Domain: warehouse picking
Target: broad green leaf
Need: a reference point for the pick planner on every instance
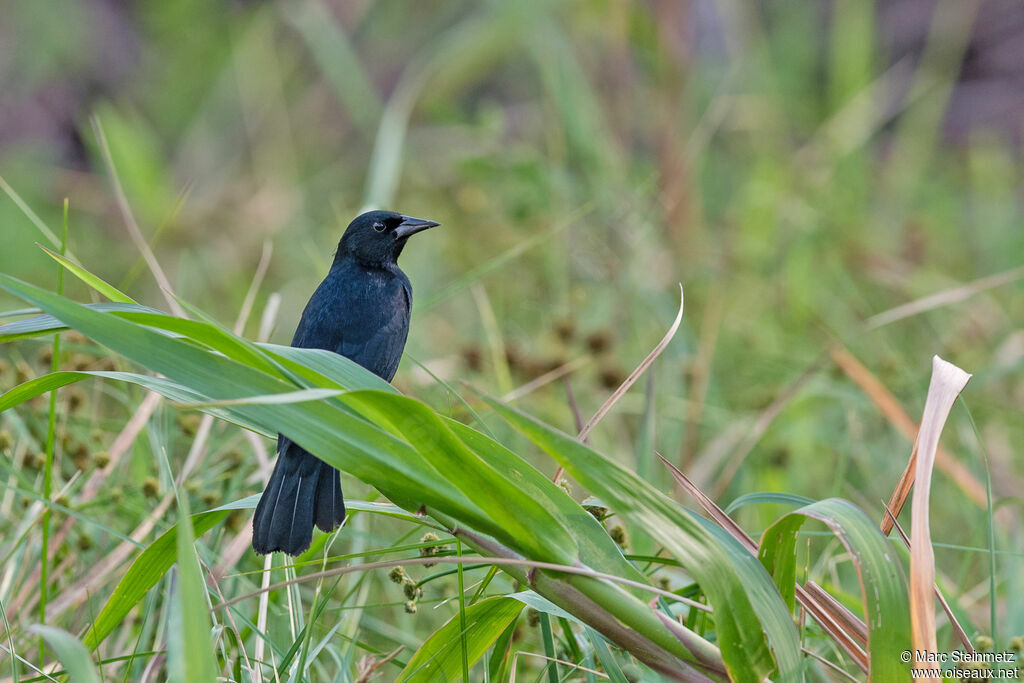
(99, 284)
(597, 641)
(31, 310)
(384, 455)
(440, 656)
(205, 333)
(247, 503)
(764, 597)
(318, 364)
(703, 553)
(542, 604)
(532, 528)
(209, 335)
(605, 656)
(386, 509)
(299, 396)
(596, 548)
(882, 579)
(548, 640)
(342, 439)
(190, 650)
(147, 569)
(72, 654)
(161, 385)
(767, 497)
(499, 659)
(45, 324)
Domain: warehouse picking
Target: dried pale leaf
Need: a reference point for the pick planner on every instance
(946, 297)
(831, 625)
(635, 375)
(710, 507)
(548, 377)
(631, 380)
(946, 384)
(849, 621)
(957, 628)
(891, 409)
(129, 218)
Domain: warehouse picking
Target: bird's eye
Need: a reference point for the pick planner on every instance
(378, 226)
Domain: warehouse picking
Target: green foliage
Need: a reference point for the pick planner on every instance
(584, 159)
(716, 563)
(440, 657)
(190, 656)
(71, 653)
(148, 568)
(471, 479)
(879, 570)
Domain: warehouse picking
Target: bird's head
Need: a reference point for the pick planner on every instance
(378, 237)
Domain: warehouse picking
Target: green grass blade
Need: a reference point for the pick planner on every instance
(44, 324)
(547, 638)
(595, 547)
(51, 425)
(542, 604)
(440, 659)
(882, 578)
(299, 396)
(767, 497)
(211, 336)
(500, 654)
(701, 551)
(147, 569)
(532, 529)
(72, 654)
(345, 441)
(163, 386)
(462, 614)
(190, 654)
(29, 213)
(605, 656)
(337, 60)
(320, 366)
(99, 284)
(10, 643)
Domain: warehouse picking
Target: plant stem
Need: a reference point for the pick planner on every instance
(51, 429)
(462, 614)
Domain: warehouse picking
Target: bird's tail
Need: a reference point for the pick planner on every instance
(302, 491)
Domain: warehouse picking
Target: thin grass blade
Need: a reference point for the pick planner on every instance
(72, 654)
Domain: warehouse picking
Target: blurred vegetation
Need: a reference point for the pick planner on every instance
(584, 157)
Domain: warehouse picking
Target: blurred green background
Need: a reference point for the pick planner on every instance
(798, 166)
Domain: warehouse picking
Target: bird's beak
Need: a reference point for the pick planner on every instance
(410, 226)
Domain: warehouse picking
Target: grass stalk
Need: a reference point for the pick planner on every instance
(462, 613)
(991, 530)
(51, 433)
(549, 648)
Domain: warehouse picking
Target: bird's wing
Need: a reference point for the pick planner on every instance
(366, 325)
(377, 344)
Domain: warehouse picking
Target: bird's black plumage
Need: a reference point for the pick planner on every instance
(361, 311)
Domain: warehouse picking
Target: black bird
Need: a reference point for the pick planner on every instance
(360, 310)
